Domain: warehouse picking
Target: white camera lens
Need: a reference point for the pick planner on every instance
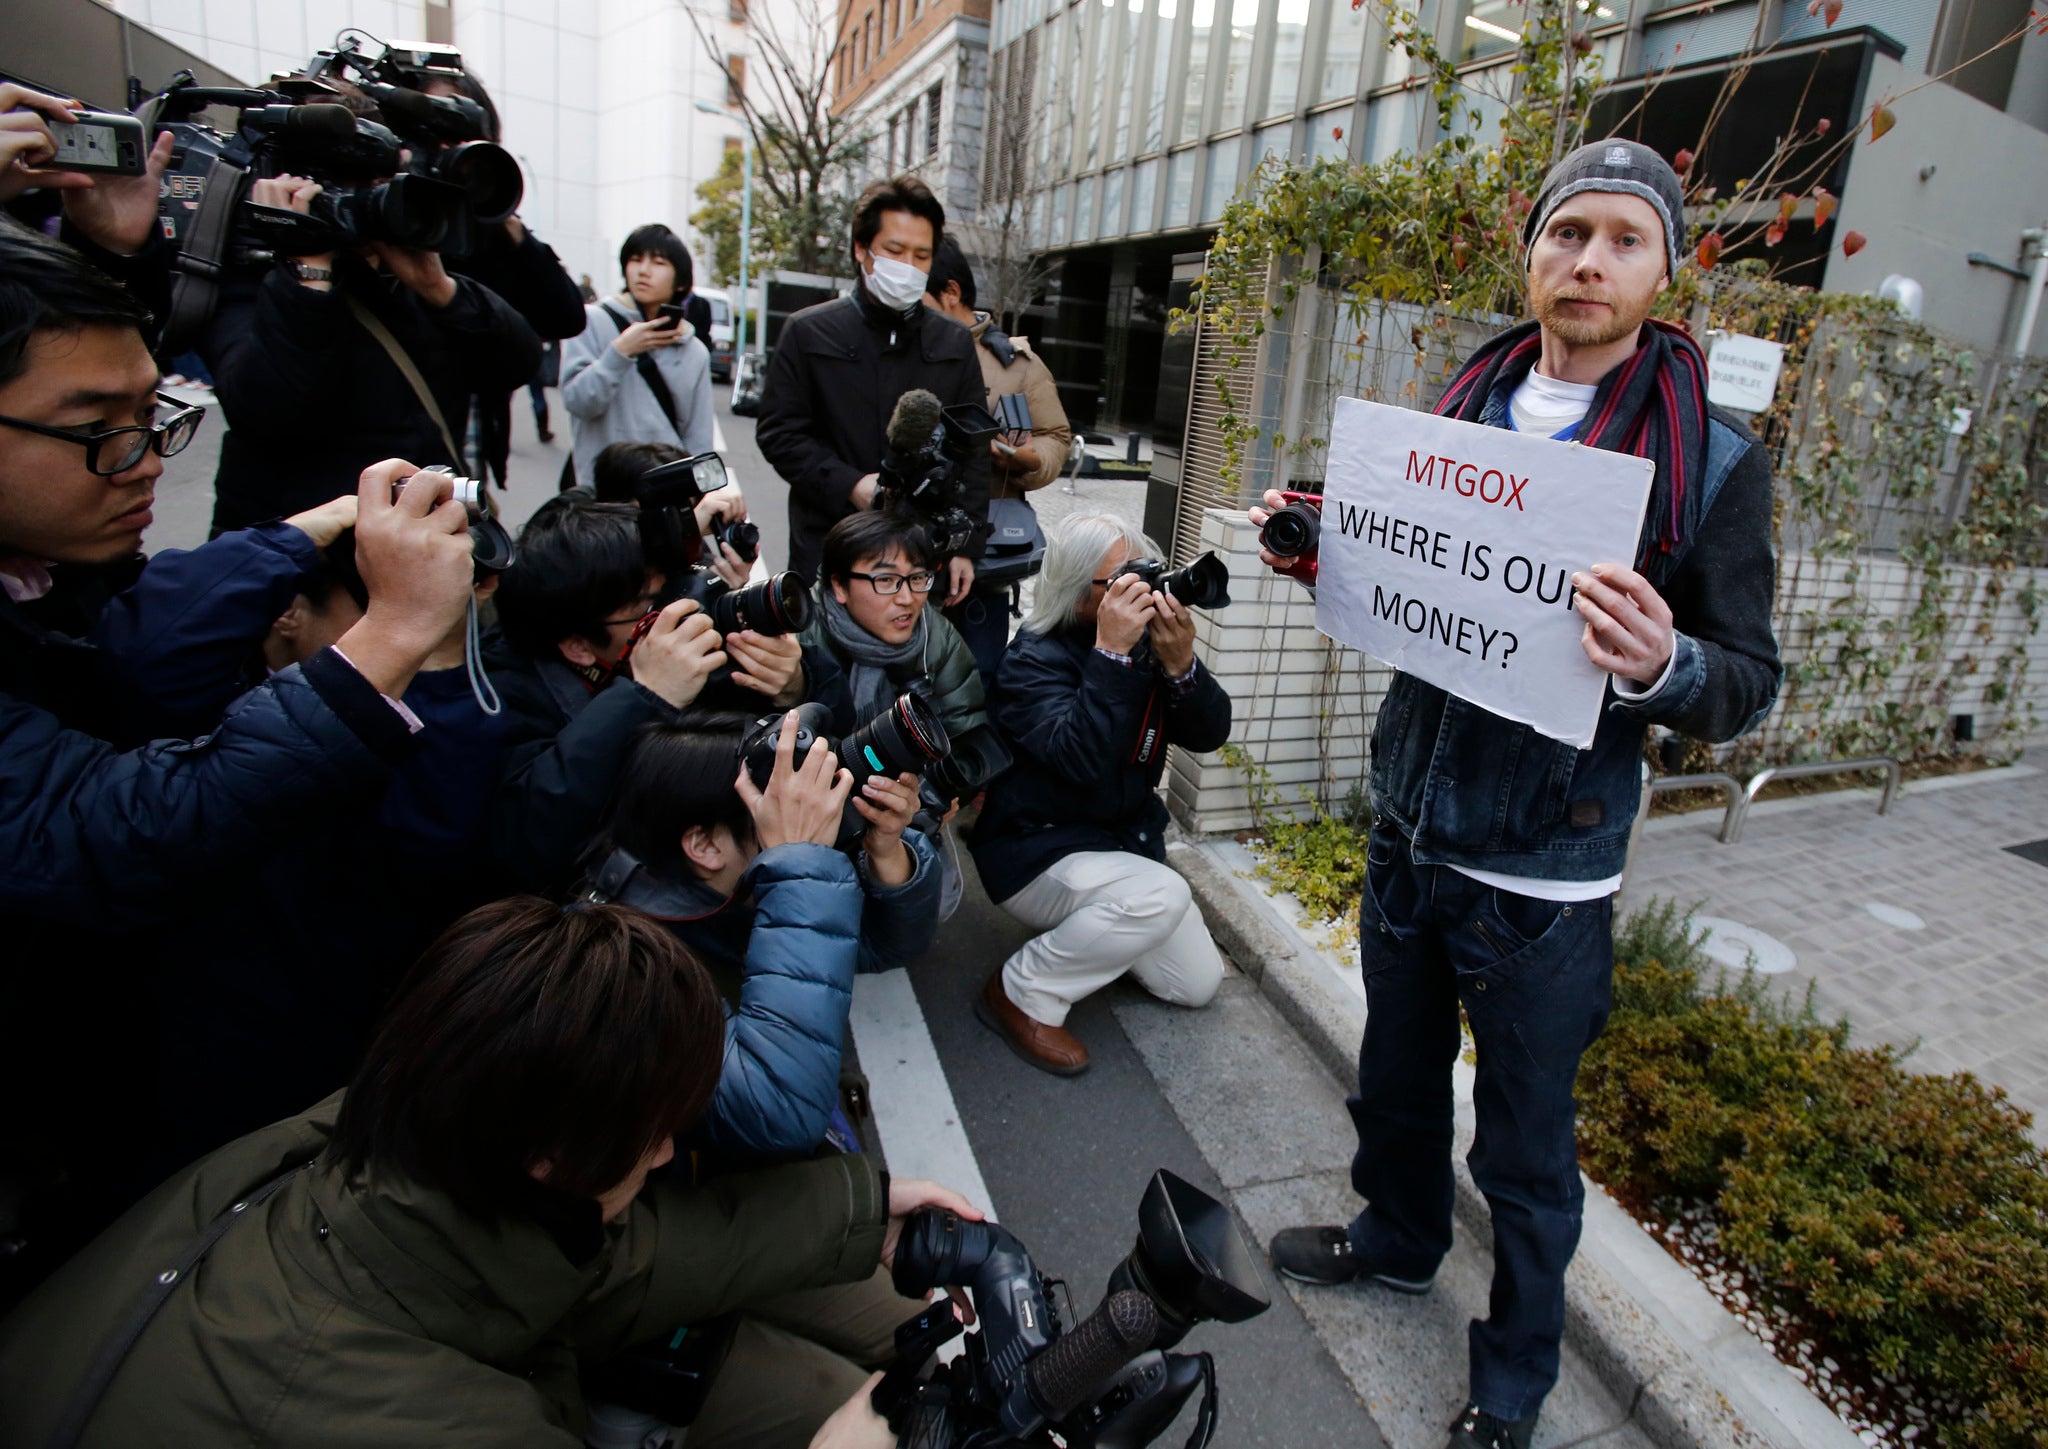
(468, 491)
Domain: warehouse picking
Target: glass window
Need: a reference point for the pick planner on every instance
(1127, 79)
(1062, 208)
(1343, 48)
(1196, 87)
(1392, 125)
(1222, 181)
(1290, 33)
(1144, 194)
(1492, 27)
(1180, 187)
(1084, 211)
(1154, 135)
(1329, 135)
(1273, 141)
(1237, 62)
(1112, 204)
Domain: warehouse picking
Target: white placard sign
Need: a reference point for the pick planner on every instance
(1448, 550)
(1742, 373)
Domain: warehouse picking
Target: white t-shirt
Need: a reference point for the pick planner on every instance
(1545, 407)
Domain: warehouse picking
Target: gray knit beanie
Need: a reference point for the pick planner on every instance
(1615, 165)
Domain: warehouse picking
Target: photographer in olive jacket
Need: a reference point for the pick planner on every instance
(433, 1256)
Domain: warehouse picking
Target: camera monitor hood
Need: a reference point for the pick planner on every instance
(1191, 1260)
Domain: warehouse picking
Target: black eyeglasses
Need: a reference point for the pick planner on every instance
(119, 449)
(885, 584)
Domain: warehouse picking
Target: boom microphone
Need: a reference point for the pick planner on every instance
(917, 417)
(1075, 1367)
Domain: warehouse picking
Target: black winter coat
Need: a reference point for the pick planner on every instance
(312, 399)
(103, 845)
(566, 747)
(831, 385)
(1090, 737)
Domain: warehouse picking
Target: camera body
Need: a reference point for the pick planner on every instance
(1109, 1381)
(907, 737)
(773, 607)
(920, 470)
(1203, 584)
(1295, 533)
(491, 545)
(668, 496)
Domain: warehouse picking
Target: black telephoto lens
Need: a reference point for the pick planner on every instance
(907, 736)
(743, 538)
(1293, 530)
(776, 606)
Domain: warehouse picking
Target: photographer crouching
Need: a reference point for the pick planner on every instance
(1101, 679)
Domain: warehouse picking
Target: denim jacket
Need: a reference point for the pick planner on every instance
(1472, 789)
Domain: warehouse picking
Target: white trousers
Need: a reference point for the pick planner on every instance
(1105, 912)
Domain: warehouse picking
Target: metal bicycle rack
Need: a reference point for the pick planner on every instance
(1738, 807)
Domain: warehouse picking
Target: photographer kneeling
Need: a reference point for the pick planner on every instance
(1072, 841)
(590, 650)
(432, 1256)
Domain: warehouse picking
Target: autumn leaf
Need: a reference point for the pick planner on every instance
(1682, 162)
(1461, 253)
(1830, 12)
(1853, 243)
(1823, 126)
(1774, 233)
(1710, 250)
(1881, 120)
(1582, 43)
(1787, 204)
(1823, 207)
(1337, 132)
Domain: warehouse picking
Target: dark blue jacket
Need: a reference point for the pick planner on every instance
(102, 853)
(567, 745)
(1090, 737)
(784, 950)
(268, 990)
(1470, 788)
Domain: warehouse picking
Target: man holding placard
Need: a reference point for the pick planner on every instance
(1461, 548)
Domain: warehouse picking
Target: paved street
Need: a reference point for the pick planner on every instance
(1918, 925)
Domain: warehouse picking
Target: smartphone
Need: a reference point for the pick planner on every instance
(103, 142)
(672, 313)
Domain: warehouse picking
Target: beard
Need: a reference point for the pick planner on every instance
(1624, 316)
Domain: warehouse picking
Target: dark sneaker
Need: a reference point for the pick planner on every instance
(1325, 1255)
(1477, 1429)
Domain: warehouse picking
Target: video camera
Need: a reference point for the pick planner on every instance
(423, 177)
(928, 443)
(1295, 533)
(1110, 1382)
(1203, 584)
(907, 737)
(668, 495)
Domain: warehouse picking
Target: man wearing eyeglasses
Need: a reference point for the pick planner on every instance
(105, 837)
(872, 618)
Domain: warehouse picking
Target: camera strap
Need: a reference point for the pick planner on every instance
(114, 1351)
(374, 325)
(650, 374)
(202, 258)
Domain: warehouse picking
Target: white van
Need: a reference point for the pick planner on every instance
(721, 338)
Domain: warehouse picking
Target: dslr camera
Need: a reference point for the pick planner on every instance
(907, 737)
(1109, 1382)
(928, 444)
(452, 184)
(1203, 584)
(668, 495)
(1295, 533)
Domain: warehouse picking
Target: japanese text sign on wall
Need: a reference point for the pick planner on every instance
(1448, 550)
(1742, 373)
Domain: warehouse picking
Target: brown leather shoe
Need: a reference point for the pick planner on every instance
(1049, 1048)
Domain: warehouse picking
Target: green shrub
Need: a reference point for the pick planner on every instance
(1905, 1214)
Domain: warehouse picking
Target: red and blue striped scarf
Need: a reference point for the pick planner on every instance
(1654, 405)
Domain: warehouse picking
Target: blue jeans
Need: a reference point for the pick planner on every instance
(1534, 978)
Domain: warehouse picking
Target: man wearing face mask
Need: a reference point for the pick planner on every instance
(840, 367)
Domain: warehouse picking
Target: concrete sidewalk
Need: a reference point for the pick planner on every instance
(1918, 925)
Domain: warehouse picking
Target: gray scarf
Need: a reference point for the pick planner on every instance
(872, 660)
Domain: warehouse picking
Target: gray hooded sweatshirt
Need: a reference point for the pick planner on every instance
(609, 402)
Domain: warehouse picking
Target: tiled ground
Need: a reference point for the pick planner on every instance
(1971, 985)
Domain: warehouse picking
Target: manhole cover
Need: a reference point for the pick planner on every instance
(1898, 916)
(1739, 947)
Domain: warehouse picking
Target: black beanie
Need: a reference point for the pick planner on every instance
(1616, 165)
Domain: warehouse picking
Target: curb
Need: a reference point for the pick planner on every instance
(1648, 1329)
